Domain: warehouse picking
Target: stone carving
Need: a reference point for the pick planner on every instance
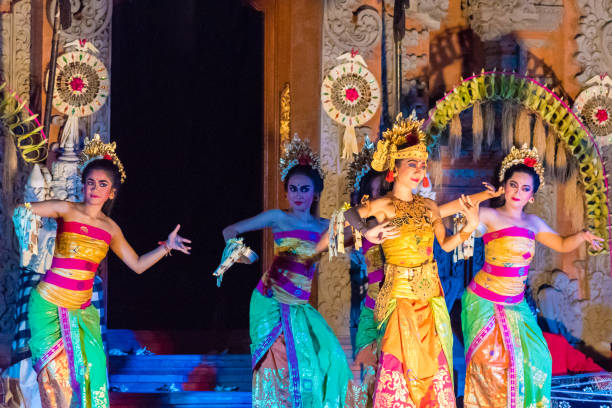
(348, 24)
(492, 19)
(15, 69)
(594, 39)
(342, 31)
(89, 18)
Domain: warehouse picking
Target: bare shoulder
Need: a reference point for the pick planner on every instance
(429, 203)
(111, 226)
(536, 223)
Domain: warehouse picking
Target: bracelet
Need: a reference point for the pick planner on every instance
(166, 247)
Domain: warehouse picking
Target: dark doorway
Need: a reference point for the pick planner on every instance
(187, 92)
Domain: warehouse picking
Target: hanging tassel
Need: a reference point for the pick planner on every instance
(435, 166)
(550, 155)
(477, 130)
(507, 127)
(454, 140)
(574, 205)
(489, 118)
(522, 131)
(561, 173)
(390, 177)
(425, 182)
(350, 143)
(539, 137)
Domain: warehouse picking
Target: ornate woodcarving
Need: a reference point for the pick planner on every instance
(492, 19)
(347, 24)
(595, 38)
(285, 115)
(15, 69)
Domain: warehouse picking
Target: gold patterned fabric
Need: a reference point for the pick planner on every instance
(415, 368)
(414, 246)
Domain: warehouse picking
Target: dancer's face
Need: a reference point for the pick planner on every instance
(98, 188)
(519, 189)
(410, 172)
(300, 192)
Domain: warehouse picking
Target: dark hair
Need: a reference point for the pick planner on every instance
(307, 171)
(111, 171)
(365, 187)
(523, 168)
(517, 168)
(313, 175)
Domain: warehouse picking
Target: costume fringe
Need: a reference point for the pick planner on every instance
(477, 130)
(507, 126)
(489, 116)
(454, 139)
(522, 131)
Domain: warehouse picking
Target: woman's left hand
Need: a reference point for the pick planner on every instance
(175, 241)
(490, 190)
(470, 210)
(592, 239)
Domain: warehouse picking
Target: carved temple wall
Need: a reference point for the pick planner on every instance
(565, 42)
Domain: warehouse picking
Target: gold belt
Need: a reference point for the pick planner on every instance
(419, 283)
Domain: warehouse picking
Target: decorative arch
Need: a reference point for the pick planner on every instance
(23, 126)
(556, 113)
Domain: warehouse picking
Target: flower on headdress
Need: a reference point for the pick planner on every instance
(304, 160)
(108, 157)
(412, 139)
(530, 161)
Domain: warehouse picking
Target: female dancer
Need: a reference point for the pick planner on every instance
(66, 345)
(415, 366)
(297, 360)
(508, 362)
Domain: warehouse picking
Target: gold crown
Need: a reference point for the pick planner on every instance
(298, 152)
(526, 156)
(96, 149)
(360, 166)
(403, 131)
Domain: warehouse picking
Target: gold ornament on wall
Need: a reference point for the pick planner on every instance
(285, 115)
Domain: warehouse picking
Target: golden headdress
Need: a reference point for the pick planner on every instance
(360, 165)
(404, 131)
(96, 149)
(298, 152)
(526, 156)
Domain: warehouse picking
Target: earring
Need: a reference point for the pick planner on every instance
(531, 200)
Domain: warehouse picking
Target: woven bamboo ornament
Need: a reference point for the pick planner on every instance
(351, 96)
(477, 130)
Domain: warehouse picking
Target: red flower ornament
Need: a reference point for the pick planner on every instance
(351, 94)
(108, 157)
(304, 160)
(530, 161)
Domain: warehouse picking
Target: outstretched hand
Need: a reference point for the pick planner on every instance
(491, 190)
(175, 241)
(470, 210)
(381, 232)
(592, 239)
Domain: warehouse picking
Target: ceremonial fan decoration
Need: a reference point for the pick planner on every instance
(350, 95)
(235, 251)
(81, 87)
(594, 105)
(23, 126)
(82, 83)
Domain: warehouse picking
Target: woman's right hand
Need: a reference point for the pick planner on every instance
(381, 232)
